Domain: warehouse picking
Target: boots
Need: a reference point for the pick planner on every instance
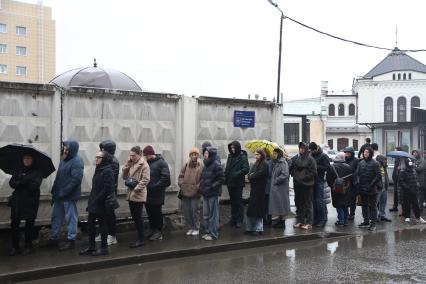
(279, 224)
(70, 244)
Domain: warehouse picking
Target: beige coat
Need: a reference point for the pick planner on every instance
(189, 179)
(140, 171)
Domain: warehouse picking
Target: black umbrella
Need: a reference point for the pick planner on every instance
(11, 159)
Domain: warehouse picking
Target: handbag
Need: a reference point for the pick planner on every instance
(131, 182)
(111, 201)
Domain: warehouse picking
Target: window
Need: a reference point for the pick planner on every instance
(3, 29)
(291, 133)
(21, 50)
(388, 109)
(331, 110)
(3, 69)
(355, 144)
(393, 76)
(3, 48)
(351, 109)
(409, 76)
(404, 77)
(415, 102)
(399, 76)
(330, 143)
(21, 71)
(402, 109)
(21, 31)
(341, 110)
(342, 143)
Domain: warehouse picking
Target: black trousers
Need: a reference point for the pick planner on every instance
(369, 207)
(237, 208)
(136, 211)
(155, 216)
(91, 227)
(422, 196)
(410, 202)
(110, 220)
(303, 199)
(29, 233)
(395, 195)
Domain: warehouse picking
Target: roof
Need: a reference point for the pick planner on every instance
(397, 60)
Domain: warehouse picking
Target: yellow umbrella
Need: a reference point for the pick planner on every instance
(266, 145)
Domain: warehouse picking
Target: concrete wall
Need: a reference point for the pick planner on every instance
(173, 124)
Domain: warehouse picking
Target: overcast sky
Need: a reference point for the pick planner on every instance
(229, 48)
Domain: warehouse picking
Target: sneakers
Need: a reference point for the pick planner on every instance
(421, 220)
(98, 238)
(208, 238)
(195, 233)
(393, 209)
(156, 236)
(372, 227)
(189, 232)
(112, 240)
(385, 219)
(364, 225)
(407, 220)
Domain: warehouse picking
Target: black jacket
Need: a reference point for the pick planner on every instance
(342, 169)
(323, 164)
(258, 177)
(407, 180)
(25, 198)
(369, 177)
(109, 146)
(212, 177)
(237, 166)
(102, 186)
(361, 151)
(303, 169)
(159, 180)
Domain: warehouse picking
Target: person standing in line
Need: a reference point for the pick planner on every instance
(409, 186)
(237, 167)
(323, 165)
(189, 183)
(257, 176)
(102, 186)
(66, 192)
(361, 151)
(304, 171)
(110, 147)
(369, 184)
(395, 175)
(420, 167)
(267, 219)
(159, 181)
(279, 200)
(352, 161)
(24, 203)
(339, 178)
(212, 179)
(382, 197)
(136, 174)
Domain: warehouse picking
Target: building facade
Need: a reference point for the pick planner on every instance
(27, 42)
(392, 101)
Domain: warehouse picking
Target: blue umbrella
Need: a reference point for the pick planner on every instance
(400, 154)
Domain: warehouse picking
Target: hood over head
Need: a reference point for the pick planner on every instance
(237, 147)
(349, 150)
(73, 146)
(108, 146)
(106, 160)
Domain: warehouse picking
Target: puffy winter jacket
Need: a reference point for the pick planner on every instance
(237, 166)
(304, 169)
(407, 180)
(159, 180)
(109, 146)
(323, 164)
(212, 177)
(102, 186)
(369, 177)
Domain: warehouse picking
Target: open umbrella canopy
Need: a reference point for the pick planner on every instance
(266, 145)
(399, 154)
(11, 159)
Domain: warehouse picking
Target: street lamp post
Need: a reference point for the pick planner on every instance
(280, 48)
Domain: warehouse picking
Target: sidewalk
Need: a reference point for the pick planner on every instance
(50, 262)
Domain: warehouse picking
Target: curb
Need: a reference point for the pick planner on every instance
(53, 271)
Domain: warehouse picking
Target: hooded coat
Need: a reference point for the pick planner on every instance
(109, 146)
(304, 168)
(67, 184)
(420, 167)
(369, 177)
(159, 180)
(212, 176)
(189, 178)
(340, 200)
(237, 166)
(407, 179)
(102, 186)
(25, 198)
(323, 163)
(279, 200)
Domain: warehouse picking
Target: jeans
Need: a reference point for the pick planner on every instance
(342, 214)
(369, 207)
(29, 233)
(254, 224)
(91, 227)
(155, 216)
(237, 208)
(303, 200)
(382, 199)
(64, 210)
(110, 221)
(136, 211)
(190, 206)
(318, 203)
(410, 202)
(212, 211)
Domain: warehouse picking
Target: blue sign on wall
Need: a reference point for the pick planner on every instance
(244, 118)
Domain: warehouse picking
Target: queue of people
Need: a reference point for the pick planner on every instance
(352, 182)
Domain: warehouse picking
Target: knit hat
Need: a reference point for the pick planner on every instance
(340, 157)
(194, 150)
(148, 151)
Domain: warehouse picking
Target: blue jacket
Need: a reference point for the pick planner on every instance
(67, 185)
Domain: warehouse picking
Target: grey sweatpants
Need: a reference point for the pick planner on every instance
(190, 207)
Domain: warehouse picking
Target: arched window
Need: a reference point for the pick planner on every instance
(388, 109)
(351, 109)
(399, 76)
(331, 111)
(415, 102)
(404, 77)
(409, 76)
(402, 109)
(341, 110)
(393, 76)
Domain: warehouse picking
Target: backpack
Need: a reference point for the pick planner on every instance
(340, 185)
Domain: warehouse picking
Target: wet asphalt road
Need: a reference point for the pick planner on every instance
(381, 257)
